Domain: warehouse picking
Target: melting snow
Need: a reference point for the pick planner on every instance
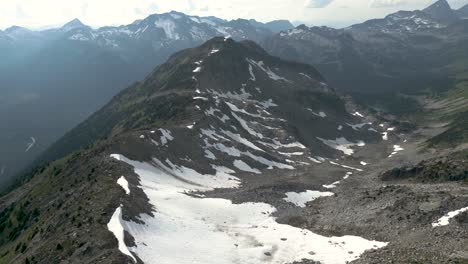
(267, 104)
(252, 75)
(245, 167)
(272, 75)
(209, 154)
(240, 139)
(124, 184)
(185, 228)
(320, 114)
(305, 75)
(385, 135)
(169, 28)
(166, 136)
(445, 220)
(344, 166)
(213, 51)
(342, 144)
(290, 154)
(245, 126)
(277, 145)
(115, 226)
(198, 69)
(357, 114)
(300, 199)
(396, 149)
(333, 185)
(315, 160)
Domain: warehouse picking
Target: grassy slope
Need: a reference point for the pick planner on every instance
(58, 211)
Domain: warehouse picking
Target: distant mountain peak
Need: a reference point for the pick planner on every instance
(441, 10)
(462, 12)
(439, 4)
(16, 29)
(275, 26)
(75, 23)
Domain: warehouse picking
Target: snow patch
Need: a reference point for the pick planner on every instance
(396, 149)
(445, 220)
(245, 126)
(245, 167)
(300, 199)
(169, 28)
(124, 184)
(214, 51)
(319, 114)
(272, 75)
(185, 227)
(357, 114)
(385, 135)
(166, 136)
(209, 154)
(342, 144)
(115, 226)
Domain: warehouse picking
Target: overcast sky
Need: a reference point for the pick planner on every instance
(336, 13)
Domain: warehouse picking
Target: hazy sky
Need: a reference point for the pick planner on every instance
(337, 13)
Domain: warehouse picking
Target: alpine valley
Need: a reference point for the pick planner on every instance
(236, 141)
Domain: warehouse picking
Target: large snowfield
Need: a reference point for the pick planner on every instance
(187, 229)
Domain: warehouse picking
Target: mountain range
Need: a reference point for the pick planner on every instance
(401, 55)
(55, 97)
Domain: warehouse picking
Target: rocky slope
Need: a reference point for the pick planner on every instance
(217, 143)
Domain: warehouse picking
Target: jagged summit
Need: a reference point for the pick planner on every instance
(462, 12)
(74, 24)
(441, 10)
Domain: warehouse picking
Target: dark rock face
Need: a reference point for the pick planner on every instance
(452, 168)
(442, 11)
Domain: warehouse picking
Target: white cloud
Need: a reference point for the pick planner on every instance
(36, 14)
(317, 3)
(386, 3)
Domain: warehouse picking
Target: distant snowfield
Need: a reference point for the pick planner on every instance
(300, 199)
(342, 144)
(190, 230)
